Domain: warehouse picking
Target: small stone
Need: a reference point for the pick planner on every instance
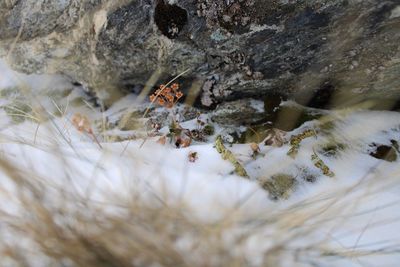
(384, 152)
(226, 18)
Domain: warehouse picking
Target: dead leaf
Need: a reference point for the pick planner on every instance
(193, 156)
(162, 140)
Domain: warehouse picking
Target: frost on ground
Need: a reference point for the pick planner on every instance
(138, 202)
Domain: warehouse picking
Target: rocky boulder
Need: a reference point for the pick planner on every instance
(232, 49)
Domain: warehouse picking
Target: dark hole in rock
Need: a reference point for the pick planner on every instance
(170, 19)
(385, 152)
(77, 84)
(396, 106)
(322, 97)
(272, 103)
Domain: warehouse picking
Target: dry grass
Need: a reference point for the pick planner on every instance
(47, 225)
(42, 224)
(54, 227)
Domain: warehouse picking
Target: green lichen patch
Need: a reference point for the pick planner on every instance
(297, 139)
(320, 164)
(208, 129)
(332, 148)
(9, 92)
(18, 112)
(228, 155)
(327, 126)
(280, 186)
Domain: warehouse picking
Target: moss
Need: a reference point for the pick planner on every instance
(327, 127)
(9, 92)
(18, 111)
(254, 134)
(208, 130)
(332, 148)
(280, 186)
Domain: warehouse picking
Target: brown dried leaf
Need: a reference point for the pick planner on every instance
(254, 147)
(186, 142)
(193, 156)
(162, 140)
(81, 123)
(275, 137)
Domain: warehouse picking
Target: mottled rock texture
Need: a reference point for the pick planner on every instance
(234, 48)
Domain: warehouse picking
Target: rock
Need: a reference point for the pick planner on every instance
(239, 112)
(336, 50)
(290, 116)
(385, 152)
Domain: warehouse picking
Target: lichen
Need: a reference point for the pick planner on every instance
(208, 129)
(280, 186)
(18, 111)
(321, 165)
(297, 139)
(332, 148)
(228, 155)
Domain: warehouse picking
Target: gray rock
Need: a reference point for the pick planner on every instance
(243, 111)
(236, 49)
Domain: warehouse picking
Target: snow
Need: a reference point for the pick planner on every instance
(359, 205)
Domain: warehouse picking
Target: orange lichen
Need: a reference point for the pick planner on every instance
(167, 96)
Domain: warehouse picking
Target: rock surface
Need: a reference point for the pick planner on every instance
(233, 49)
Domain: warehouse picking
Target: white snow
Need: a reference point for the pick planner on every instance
(356, 210)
